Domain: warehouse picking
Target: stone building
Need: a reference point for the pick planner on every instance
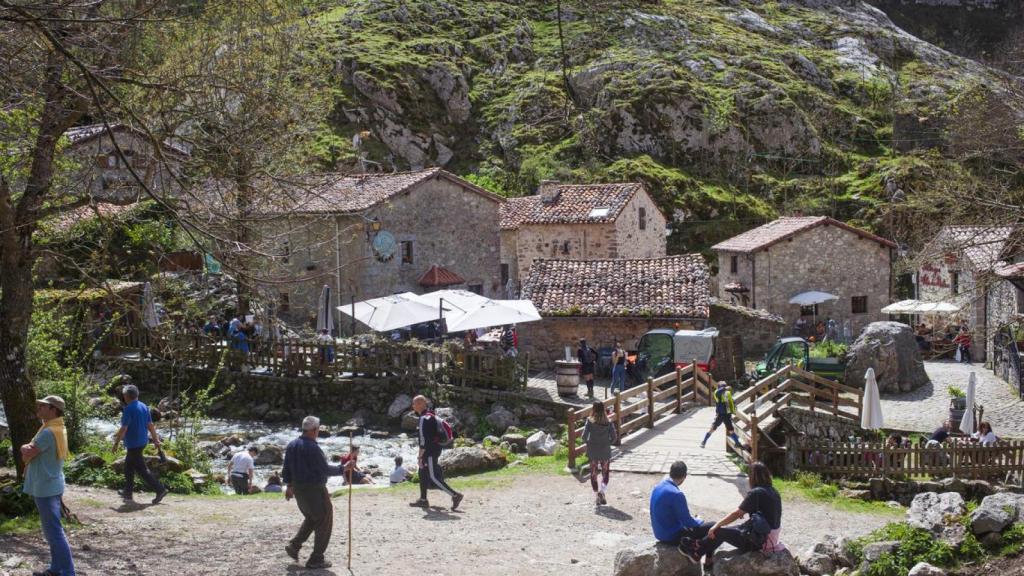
(104, 169)
(959, 267)
(369, 235)
(767, 266)
(579, 222)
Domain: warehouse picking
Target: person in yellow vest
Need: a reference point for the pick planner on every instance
(724, 409)
(44, 481)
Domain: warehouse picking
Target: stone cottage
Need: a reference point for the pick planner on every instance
(370, 235)
(608, 300)
(767, 266)
(959, 267)
(579, 222)
(104, 168)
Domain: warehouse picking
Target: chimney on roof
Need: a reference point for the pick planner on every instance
(549, 191)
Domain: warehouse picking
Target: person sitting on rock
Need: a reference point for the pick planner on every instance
(273, 484)
(761, 532)
(670, 515)
(350, 464)
(399, 474)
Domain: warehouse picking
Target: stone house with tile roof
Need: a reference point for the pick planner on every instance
(962, 265)
(579, 222)
(765, 267)
(434, 229)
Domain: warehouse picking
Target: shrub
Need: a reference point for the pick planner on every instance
(807, 479)
(1013, 540)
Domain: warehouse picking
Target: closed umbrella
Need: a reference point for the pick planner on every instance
(324, 319)
(149, 315)
(391, 312)
(871, 411)
(495, 313)
(967, 422)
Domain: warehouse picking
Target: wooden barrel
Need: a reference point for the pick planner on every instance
(567, 376)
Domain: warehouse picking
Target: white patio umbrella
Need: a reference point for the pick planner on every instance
(812, 298)
(967, 423)
(324, 319)
(919, 307)
(149, 315)
(390, 312)
(495, 313)
(871, 412)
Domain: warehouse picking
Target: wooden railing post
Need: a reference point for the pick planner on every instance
(753, 437)
(650, 402)
(679, 390)
(618, 419)
(570, 437)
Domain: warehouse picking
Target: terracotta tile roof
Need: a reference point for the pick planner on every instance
(63, 221)
(80, 134)
(980, 245)
(673, 286)
(575, 204)
(440, 276)
(778, 230)
(1011, 271)
(345, 193)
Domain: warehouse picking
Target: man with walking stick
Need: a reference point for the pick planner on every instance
(305, 475)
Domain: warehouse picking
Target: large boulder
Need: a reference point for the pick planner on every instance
(541, 444)
(83, 462)
(399, 406)
(154, 463)
(997, 512)
(410, 421)
(926, 569)
(755, 564)
(654, 559)
(501, 418)
(889, 348)
(931, 511)
(471, 459)
(875, 550)
(269, 454)
(815, 564)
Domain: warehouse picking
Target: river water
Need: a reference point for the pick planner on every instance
(373, 451)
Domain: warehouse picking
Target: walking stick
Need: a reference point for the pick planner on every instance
(350, 506)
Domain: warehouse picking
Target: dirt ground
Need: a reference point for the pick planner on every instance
(528, 524)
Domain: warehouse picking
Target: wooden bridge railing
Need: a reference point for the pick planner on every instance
(643, 405)
(957, 458)
(294, 358)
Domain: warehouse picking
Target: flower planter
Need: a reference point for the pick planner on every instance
(957, 407)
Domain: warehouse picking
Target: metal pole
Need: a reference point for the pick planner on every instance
(352, 297)
(350, 506)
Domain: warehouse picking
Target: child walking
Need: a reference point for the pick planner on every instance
(724, 409)
(599, 435)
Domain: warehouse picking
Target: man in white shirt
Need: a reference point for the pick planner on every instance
(241, 469)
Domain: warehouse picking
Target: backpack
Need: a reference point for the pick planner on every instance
(445, 434)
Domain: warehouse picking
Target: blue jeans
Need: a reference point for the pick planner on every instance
(60, 551)
(619, 377)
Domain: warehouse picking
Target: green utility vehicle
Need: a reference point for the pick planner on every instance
(797, 351)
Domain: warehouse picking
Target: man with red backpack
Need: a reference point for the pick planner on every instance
(434, 434)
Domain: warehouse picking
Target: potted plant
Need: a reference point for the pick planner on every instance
(957, 404)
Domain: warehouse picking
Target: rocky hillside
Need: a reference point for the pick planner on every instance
(728, 109)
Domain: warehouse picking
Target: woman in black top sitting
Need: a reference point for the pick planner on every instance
(762, 499)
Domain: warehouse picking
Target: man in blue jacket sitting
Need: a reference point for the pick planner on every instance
(670, 515)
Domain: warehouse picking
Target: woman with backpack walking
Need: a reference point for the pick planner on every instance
(599, 435)
(760, 532)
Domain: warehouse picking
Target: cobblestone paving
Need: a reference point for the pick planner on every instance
(924, 409)
(543, 387)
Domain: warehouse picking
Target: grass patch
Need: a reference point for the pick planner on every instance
(806, 486)
(19, 525)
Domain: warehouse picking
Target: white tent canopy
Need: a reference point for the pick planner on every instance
(920, 307)
(495, 313)
(391, 312)
(811, 298)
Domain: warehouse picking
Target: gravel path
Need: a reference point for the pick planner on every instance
(530, 524)
(924, 409)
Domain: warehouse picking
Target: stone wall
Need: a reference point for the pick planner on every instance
(447, 224)
(795, 424)
(1003, 303)
(632, 242)
(546, 340)
(757, 329)
(826, 258)
(509, 255)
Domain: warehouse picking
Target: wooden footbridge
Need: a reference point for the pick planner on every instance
(665, 419)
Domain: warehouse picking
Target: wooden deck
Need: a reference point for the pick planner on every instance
(676, 437)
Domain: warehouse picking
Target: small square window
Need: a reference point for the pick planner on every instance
(954, 282)
(504, 274)
(734, 264)
(859, 304)
(407, 252)
(643, 218)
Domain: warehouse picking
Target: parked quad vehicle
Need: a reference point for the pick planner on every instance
(662, 351)
(797, 351)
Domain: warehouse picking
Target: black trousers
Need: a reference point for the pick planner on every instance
(696, 533)
(431, 475)
(134, 464)
(240, 484)
(725, 535)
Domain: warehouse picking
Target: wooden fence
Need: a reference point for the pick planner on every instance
(642, 406)
(294, 358)
(865, 460)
